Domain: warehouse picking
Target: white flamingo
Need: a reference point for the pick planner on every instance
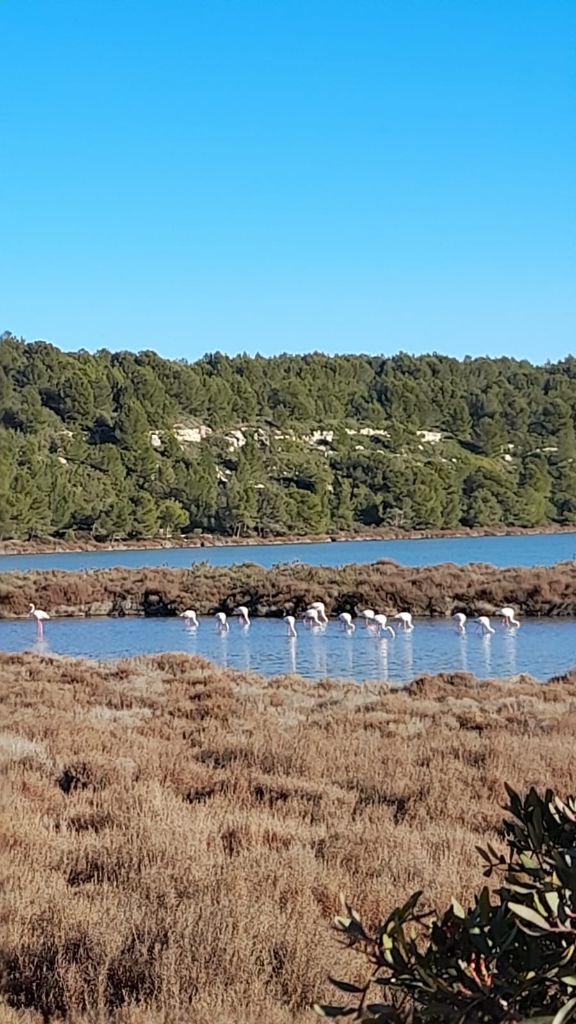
(40, 616)
(381, 621)
(190, 618)
(222, 622)
(291, 625)
(368, 616)
(311, 617)
(346, 620)
(509, 617)
(244, 615)
(484, 623)
(460, 620)
(405, 621)
(320, 607)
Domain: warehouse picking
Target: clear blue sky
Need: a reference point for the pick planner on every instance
(289, 175)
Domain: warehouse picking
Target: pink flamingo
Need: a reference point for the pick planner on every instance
(405, 621)
(381, 622)
(346, 620)
(40, 616)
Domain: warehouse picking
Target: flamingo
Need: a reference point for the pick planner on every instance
(346, 620)
(460, 620)
(40, 616)
(311, 617)
(291, 624)
(485, 626)
(244, 616)
(222, 622)
(320, 607)
(381, 621)
(368, 615)
(509, 617)
(405, 621)
(190, 618)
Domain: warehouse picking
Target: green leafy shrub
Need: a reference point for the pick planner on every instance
(510, 957)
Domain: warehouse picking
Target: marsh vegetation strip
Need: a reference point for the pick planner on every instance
(541, 647)
(176, 836)
(526, 550)
(438, 591)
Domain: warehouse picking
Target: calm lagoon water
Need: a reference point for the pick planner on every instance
(536, 549)
(542, 647)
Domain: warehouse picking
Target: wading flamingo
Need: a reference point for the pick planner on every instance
(222, 622)
(290, 625)
(40, 616)
(242, 611)
(368, 616)
(311, 617)
(484, 623)
(509, 617)
(460, 620)
(346, 620)
(405, 621)
(190, 618)
(381, 622)
(320, 607)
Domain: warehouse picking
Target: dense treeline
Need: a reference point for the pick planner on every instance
(120, 445)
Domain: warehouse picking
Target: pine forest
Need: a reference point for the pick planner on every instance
(114, 446)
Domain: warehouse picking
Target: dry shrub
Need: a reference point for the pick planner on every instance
(176, 837)
(437, 590)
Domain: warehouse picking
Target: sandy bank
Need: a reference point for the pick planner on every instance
(54, 546)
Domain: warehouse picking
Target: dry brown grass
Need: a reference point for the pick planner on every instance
(175, 837)
(438, 590)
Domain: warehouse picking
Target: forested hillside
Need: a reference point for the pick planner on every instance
(118, 445)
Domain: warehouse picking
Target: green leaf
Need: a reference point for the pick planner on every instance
(497, 856)
(347, 986)
(553, 901)
(333, 1011)
(458, 909)
(527, 914)
(485, 856)
(484, 905)
(565, 1012)
(515, 801)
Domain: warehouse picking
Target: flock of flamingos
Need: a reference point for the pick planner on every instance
(315, 618)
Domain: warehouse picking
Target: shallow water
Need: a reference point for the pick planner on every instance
(541, 647)
(535, 549)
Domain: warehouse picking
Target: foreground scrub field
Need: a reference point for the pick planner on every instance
(176, 836)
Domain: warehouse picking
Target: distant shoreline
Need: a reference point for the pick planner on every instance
(42, 547)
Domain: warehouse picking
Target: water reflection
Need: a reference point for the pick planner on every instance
(346, 655)
(41, 645)
(244, 661)
(383, 658)
(318, 653)
(542, 647)
(463, 650)
(292, 648)
(509, 648)
(406, 654)
(485, 660)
